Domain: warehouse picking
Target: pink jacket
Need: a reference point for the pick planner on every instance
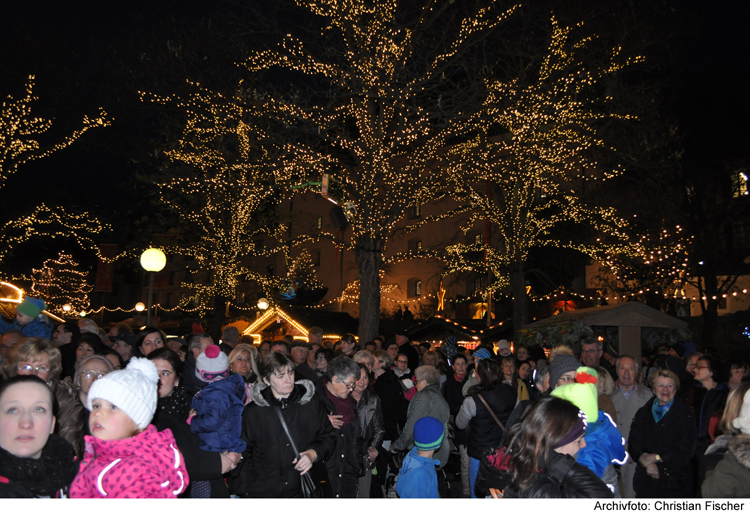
(148, 465)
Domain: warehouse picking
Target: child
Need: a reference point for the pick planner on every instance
(417, 477)
(216, 413)
(126, 457)
(29, 319)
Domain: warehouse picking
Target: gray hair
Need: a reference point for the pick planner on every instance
(343, 368)
(230, 333)
(363, 356)
(381, 355)
(429, 374)
(196, 341)
(591, 340)
(88, 326)
(637, 366)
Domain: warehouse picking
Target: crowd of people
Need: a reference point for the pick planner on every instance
(125, 414)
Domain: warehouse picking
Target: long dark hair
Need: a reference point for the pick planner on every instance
(530, 442)
(490, 374)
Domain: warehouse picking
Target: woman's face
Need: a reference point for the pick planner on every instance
(523, 371)
(83, 351)
(664, 389)
(736, 375)
(321, 364)
(522, 354)
(346, 348)
(151, 342)
(167, 377)
(402, 362)
(341, 388)
(281, 382)
(572, 448)
(362, 383)
(393, 351)
(26, 420)
(460, 367)
(378, 365)
(241, 364)
(508, 370)
(38, 366)
(95, 369)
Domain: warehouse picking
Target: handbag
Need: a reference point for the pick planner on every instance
(309, 488)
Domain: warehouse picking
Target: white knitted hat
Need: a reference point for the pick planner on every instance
(134, 390)
(212, 365)
(743, 421)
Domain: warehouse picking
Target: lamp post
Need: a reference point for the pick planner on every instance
(152, 260)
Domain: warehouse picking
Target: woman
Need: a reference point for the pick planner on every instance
(149, 339)
(709, 399)
(322, 357)
(34, 462)
(346, 464)
(272, 469)
(662, 441)
(737, 370)
(37, 356)
(243, 360)
(508, 365)
(348, 345)
(391, 394)
(173, 399)
(538, 457)
(370, 415)
(89, 370)
(405, 376)
(490, 396)
(89, 344)
(605, 387)
(731, 476)
(717, 450)
(392, 349)
(452, 392)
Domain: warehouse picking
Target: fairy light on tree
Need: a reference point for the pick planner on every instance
(62, 284)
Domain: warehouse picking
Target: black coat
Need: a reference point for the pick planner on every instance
(455, 398)
(268, 470)
(484, 434)
(674, 439)
(565, 478)
(393, 403)
(707, 403)
(346, 464)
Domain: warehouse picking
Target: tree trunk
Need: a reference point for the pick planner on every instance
(369, 258)
(521, 315)
(219, 303)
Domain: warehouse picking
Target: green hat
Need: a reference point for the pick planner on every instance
(582, 393)
(31, 307)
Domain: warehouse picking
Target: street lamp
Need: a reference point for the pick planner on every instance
(262, 303)
(140, 306)
(152, 260)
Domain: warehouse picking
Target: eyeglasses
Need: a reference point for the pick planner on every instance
(28, 368)
(403, 361)
(90, 374)
(349, 385)
(568, 378)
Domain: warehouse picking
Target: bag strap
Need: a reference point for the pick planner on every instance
(490, 410)
(286, 430)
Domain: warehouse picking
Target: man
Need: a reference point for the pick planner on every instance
(378, 342)
(281, 346)
(86, 325)
(65, 337)
(691, 359)
(405, 347)
(123, 345)
(591, 356)
(315, 335)
(230, 337)
(300, 351)
(371, 346)
(628, 399)
(116, 331)
(432, 358)
(197, 345)
(11, 337)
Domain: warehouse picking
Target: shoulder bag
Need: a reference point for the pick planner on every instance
(309, 489)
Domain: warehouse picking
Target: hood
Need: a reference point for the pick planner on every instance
(159, 448)
(233, 385)
(304, 388)
(414, 461)
(740, 448)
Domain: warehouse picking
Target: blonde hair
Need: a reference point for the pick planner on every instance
(562, 349)
(732, 409)
(664, 373)
(605, 385)
(28, 349)
(252, 350)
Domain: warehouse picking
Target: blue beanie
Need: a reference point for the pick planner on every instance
(31, 307)
(428, 433)
(482, 353)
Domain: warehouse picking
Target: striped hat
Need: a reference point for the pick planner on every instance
(428, 433)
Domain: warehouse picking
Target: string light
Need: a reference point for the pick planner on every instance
(59, 282)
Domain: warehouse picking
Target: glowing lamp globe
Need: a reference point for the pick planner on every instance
(140, 306)
(262, 303)
(67, 307)
(153, 260)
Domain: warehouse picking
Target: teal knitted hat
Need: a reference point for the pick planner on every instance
(428, 433)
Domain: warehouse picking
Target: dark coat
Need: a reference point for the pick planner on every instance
(674, 439)
(201, 465)
(346, 465)
(565, 479)
(391, 394)
(408, 350)
(452, 392)
(370, 414)
(731, 476)
(219, 409)
(268, 470)
(707, 403)
(484, 434)
(71, 416)
(49, 476)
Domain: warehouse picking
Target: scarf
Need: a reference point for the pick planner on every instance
(660, 411)
(55, 470)
(459, 378)
(175, 404)
(343, 407)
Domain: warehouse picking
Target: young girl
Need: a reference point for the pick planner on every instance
(126, 457)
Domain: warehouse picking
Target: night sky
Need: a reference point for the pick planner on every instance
(90, 54)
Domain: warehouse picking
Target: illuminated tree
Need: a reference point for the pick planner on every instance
(221, 190)
(392, 94)
(60, 282)
(531, 166)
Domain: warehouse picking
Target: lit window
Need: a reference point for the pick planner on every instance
(418, 288)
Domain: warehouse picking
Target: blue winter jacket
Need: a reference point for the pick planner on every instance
(219, 409)
(604, 446)
(417, 477)
(35, 328)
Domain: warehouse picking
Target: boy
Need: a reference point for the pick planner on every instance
(417, 477)
(28, 320)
